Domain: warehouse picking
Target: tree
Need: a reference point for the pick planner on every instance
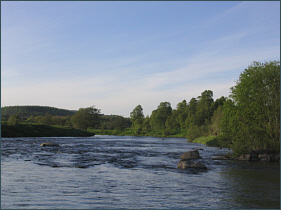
(14, 120)
(171, 121)
(253, 119)
(215, 128)
(203, 113)
(191, 112)
(146, 125)
(181, 114)
(118, 123)
(86, 117)
(137, 117)
(47, 119)
(61, 120)
(159, 116)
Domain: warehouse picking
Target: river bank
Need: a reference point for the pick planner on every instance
(134, 132)
(36, 130)
(255, 155)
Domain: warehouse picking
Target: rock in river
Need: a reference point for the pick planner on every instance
(245, 157)
(184, 164)
(48, 144)
(190, 155)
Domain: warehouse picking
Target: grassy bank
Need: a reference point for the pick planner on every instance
(35, 130)
(134, 132)
(212, 141)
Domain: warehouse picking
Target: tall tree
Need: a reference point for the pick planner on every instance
(181, 114)
(160, 115)
(118, 123)
(253, 119)
(146, 125)
(86, 117)
(203, 113)
(137, 117)
(191, 112)
(215, 128)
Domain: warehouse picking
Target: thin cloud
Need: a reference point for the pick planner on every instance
(82, 59)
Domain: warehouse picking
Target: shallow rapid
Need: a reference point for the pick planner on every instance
(129, 172)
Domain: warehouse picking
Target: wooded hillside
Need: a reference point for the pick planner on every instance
(28, 111)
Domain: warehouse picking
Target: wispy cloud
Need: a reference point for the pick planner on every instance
(82, 58)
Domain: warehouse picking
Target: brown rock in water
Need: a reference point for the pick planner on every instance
(184, 164)
(264, 157)
(245, 157)
(190, 155)
(48, 144)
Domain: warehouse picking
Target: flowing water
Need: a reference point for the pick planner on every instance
(129, 172)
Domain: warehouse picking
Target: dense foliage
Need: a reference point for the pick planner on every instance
(201, 116)
(14, 120)
(137, 118)
(252, 118)
(113, 122)
(85, 118)
(43, 115)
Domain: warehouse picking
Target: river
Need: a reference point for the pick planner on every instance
(114, 172)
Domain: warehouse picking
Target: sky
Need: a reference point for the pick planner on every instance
(117, 55)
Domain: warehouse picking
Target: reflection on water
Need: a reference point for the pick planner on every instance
(252, 182)
(129, 172)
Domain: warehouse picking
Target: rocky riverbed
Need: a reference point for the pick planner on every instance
(187, 158)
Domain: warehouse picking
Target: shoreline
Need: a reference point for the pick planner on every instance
(36, 130)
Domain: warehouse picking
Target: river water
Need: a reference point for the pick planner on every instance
(113, 172)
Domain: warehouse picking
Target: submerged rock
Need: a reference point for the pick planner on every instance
(190, 155)
(48, 144)
(245, 157)
(264, 157)
(184, 164)
(220, 158)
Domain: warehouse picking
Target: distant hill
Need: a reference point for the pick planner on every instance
(28, 111)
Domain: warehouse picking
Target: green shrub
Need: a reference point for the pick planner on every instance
(14, 120)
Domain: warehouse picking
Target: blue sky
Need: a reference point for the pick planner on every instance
(117, 55)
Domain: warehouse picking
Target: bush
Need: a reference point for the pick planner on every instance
(194, 132)
(14, 120)
(213, 141)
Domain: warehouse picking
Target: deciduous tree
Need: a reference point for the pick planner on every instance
(253, 119)
(137, 117)
(14, 120)
(85, 118)
(160, 115)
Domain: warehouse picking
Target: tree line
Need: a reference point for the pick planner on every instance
(82, 120)
(249, 119)
(199, 117)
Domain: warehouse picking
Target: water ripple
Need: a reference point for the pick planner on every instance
(128, 172)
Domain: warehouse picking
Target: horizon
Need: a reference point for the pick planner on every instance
(117, 55)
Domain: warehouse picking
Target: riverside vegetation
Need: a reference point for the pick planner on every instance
(248, 120)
